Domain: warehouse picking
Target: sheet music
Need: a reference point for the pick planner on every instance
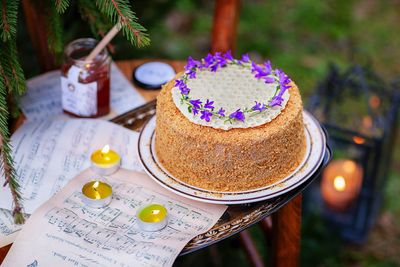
(43, 97)
(48, 154)
(8, 230)
(65, 232)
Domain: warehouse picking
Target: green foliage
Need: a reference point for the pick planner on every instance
(13, 75)
(119, 11)
(98, 22)
(12, 82)
(6, 161)
(12, 79)
(61, 5)
(54, 27)
(8, 21)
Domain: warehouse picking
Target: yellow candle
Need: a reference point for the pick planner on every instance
(97, 194)
(153, 217)
(105, 161)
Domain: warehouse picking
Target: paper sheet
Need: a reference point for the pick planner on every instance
(43, 97)
(48, 154)
(8, 230)
(65, 232)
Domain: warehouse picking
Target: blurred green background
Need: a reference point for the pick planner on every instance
(302, 37)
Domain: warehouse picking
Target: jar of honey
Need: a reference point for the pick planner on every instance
(85, 84)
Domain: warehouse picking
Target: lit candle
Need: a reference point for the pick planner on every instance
(105, 161)
(153, 217)
(341, 183)
(97, 194)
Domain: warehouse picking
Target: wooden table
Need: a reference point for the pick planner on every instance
(285, 210)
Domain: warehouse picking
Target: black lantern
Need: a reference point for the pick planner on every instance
(359, 111)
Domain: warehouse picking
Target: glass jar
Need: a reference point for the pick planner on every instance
(85, 85)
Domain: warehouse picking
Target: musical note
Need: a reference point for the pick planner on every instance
(65, 229)
(49, 153)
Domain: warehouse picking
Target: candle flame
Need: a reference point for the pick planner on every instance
(105, 149)
(339, 183)
(358, 140)
(155, 212)
(95, 185)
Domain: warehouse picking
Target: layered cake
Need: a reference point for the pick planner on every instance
(228, 124)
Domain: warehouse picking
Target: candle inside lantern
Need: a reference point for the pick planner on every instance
(105, 161)
(97, 194)
(153, 217)
(341, 183)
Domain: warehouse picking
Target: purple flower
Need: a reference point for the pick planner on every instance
(228, 55)
(276, 101)
(209, 104)
(184, 89)
(255, 67)
(191, 73)
(206, 115)
(267, 65)
(221, 112)
(219, 61)
(263, 71)
(269, 79)
(283, 78)
(208, 61)
(237, 115)
(284, 81)
(191, 63)
(195, 111)
(214, 67)
(258, 106)
(178, 83)
(196, 103)
(245, 58)
(258, 70)
(182, 86)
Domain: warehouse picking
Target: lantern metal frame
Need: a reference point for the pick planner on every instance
(374, 152)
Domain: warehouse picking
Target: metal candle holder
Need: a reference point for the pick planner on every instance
(359, 111)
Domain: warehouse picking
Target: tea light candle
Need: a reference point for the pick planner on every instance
(341, 183)
(153, 217)
(97, 194)
(105, 161)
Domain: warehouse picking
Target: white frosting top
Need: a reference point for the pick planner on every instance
(231, 88)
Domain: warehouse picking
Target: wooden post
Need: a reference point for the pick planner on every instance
(250, 248)
(287, 234)
(36, 24)
(226, 16)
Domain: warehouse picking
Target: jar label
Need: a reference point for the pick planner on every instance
(78, 98)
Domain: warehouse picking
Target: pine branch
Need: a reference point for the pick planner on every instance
(119, 11)
(54, 27)
(6, 161)
(8, 19)
(12, 82)
(61, 5)
(11, 71)
(98, 22)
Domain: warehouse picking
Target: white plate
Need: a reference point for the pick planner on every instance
(316, 146)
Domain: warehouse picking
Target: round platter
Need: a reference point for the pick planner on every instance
(315, 152)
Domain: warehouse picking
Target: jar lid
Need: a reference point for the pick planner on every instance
(152, 75)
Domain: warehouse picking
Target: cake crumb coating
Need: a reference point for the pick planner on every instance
(233, 160)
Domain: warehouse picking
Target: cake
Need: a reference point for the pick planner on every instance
(228, 124)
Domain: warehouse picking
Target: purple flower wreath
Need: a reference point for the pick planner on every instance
(218, 60)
